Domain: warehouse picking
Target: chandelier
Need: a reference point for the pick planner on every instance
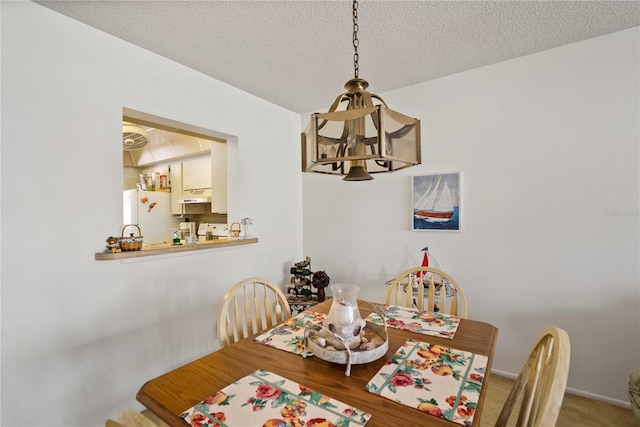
(359, 135)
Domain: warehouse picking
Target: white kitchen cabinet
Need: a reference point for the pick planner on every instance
(208, 171)
(218, 177)
(175, 180)
(196, 173)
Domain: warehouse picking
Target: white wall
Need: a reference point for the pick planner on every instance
(548, 148)
(79, 336)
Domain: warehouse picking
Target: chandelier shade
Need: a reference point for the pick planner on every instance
(357, 136)
(376, 138)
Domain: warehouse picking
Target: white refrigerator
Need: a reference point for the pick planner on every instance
(151, 211)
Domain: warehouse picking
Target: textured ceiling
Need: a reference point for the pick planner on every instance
(299, 54)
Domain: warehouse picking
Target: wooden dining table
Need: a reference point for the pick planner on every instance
(172, 393)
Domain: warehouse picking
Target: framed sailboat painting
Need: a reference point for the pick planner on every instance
(436, 202)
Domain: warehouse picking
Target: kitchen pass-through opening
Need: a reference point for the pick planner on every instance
(165, 162)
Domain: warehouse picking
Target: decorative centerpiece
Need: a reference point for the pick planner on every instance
(344, 337)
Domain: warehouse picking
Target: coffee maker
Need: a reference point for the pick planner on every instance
(188, 232)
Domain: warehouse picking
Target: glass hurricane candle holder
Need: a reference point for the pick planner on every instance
(344, 316)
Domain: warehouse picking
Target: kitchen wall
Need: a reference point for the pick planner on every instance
(79, 336)
(548, 149)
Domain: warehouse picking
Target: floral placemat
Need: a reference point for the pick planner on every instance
(269, 400)
(438, 380)
(289, 335)
(420, 321)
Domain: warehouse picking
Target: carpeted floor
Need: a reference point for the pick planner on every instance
(576, 410)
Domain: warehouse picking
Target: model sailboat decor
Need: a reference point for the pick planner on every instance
(436, 202)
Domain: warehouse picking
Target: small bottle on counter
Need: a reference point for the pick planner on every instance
(176, 237)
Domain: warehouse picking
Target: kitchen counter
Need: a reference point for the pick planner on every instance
(168, 248)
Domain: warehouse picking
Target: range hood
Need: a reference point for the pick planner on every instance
(201, 195)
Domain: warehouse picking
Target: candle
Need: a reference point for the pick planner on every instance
(343, 314)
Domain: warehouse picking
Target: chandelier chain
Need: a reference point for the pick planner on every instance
(356, 42)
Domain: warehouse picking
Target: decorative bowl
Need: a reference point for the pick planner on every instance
(320, 342)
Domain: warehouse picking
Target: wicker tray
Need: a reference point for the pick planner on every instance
(363, 354)
(131, 243)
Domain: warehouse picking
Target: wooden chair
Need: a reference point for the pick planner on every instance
(250, 306)
(634, 393)
(127, 417)
(407, 289)
(541, 384)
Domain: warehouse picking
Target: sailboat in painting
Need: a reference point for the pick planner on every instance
(435, 205)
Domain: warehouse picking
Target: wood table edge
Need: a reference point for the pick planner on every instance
(485, 382)
(160, 411)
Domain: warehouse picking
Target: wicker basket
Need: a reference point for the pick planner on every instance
(234, 231)
(131, 243)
